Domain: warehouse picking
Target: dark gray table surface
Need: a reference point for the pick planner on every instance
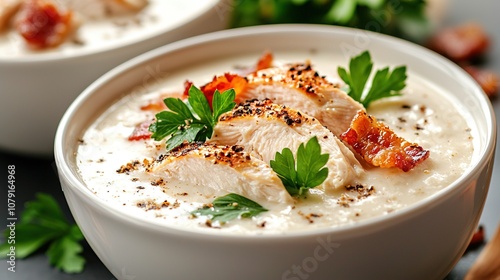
(39, 175)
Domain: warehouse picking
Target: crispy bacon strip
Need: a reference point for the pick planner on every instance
(380, 146)
(141, 132)
(154, 106)
(187, 85)
(265, 61)
(229, 80)
(43, 25)
(220, 83)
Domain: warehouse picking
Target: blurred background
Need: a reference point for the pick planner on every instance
(411, 19)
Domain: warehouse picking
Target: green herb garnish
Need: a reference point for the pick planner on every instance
(405, 19)
(230, 207)
(193, 121)
(384, 84)
(308, 172)
(42, 222)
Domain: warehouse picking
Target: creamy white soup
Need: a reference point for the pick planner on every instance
(424, 114)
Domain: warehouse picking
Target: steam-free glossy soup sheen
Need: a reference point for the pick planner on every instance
(425, 115)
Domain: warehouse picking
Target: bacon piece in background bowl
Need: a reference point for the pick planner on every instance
(43, 24)
(466, 44)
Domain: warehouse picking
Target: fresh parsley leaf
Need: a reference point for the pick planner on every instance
(200, 106)
(45, 212)
(305, 173)
(230, 207)
(191, 121)
(64, 253)
(384, 84)
(181, 135)
(29, 238)
(360, 68)
(43, 222)
(342, 11)
(284, 165)
(167, 123)
(222, 103)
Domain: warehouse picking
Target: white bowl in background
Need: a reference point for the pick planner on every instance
(37, 87)
(421, 241)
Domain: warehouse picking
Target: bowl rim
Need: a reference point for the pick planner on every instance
(115, 45)
(360, 227)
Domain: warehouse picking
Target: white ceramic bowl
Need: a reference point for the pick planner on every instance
(422, 241)
(36, 88)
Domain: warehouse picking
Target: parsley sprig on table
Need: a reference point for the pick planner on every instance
(191, 121)
(308, 171)
(230, 207)
(384, 84)
(43, 222)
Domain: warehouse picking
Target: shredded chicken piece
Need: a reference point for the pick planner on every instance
(215, 170)
(299, 86)
(265, 128)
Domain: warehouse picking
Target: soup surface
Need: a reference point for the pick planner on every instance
(424, 114)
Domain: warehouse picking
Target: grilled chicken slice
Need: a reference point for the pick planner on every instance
(8, 9)
(300, 87)
(265, 128)
(213, 170)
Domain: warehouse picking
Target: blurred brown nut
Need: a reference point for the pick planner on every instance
(487, 265)
(461, 43)
(488, 80)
